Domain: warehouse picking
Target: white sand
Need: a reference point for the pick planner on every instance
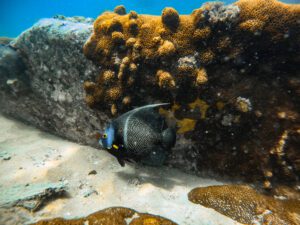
(39, 157)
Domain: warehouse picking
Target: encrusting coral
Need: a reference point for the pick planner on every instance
(241, 60)
(246, 205)
(111, 216)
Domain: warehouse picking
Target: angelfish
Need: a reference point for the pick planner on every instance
(141, 134)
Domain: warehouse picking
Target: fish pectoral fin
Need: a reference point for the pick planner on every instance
(121, 162)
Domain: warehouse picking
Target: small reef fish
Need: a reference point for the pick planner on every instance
(141, 135)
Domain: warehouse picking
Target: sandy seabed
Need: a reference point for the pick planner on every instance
(38, 157)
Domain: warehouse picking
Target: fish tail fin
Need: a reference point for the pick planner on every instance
(168, 138)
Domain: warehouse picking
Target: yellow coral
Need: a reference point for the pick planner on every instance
(133, 15)
(113, 93)
(202, 34)
(111, 216)
(132, 67)
(274, 15)
(207, 56)
(126, 100)
(202, 105)
(133, 27)
(90, 101)
(252, 25)
(166, 49)
(120, 10)
(223, 43)
(89, 86)
(130, 42)
(244, 204)
(165, 80)
(198, 17)
(201, 76)
(113, 109)
(117, 37)
(170, 18)
(108, 76)
(186, 125)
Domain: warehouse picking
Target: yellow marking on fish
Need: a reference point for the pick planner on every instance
(116, 147)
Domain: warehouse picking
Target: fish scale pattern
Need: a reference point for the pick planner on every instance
(140, 136)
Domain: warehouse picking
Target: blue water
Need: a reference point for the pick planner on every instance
(18, 15)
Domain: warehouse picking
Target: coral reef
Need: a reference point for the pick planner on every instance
(241, 60)
(246, 205)
(231, 74)
(112, 216)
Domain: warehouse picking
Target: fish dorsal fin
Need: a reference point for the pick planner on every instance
(145, 107)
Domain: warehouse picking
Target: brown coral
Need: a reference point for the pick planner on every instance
(165, 80)
(198, 17)
(201, 76)
(90, 101)
(126, 100)
(130, 42)
(252, 25)
(133, 15)
(111, 216)
(202, 34)
(244, 204)
(120, 10)
(170, 18)
(207, 56)
(89, 86)
(117, 37)
(133, 27)
(166, 49)
(274, 15)
(239, 63)
(108, 77)
(113, 93)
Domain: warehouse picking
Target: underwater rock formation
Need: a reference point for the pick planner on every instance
(12, 77)
(231, 72)
(112, 216)
(244, 204)
(53, 68)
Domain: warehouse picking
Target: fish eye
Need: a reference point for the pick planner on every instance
(104, 136)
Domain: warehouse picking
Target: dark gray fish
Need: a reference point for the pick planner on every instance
(139, 135)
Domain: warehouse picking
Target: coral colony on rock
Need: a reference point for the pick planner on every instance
(229, 72)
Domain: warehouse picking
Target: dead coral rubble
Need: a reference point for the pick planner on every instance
(244, 204)
(241, 60)
(112, 216)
